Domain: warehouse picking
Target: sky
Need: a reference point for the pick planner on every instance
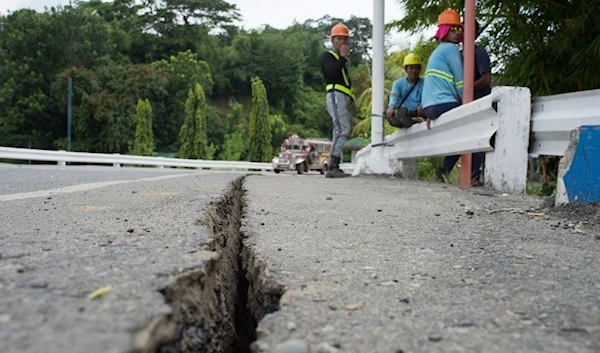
(276, 13)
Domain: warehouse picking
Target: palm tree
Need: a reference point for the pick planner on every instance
(393, 71)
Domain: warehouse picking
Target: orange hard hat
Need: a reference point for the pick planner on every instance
(340, 30)
(449, 17)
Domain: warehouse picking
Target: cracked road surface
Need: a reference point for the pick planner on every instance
(367, 264)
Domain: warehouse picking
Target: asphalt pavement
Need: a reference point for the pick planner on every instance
(127, 233)
(367, 264)
(388, 265)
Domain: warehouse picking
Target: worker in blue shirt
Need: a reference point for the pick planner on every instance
(443, 87)
(405, 101)
(482, 87)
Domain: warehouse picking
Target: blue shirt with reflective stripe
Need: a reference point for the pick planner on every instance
(400, 89)
(444, 76)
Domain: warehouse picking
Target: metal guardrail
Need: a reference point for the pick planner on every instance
(554, 117)
(498, 124)
(117, 160)
(468, 128)
(63, 157)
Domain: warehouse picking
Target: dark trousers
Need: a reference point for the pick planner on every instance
(433, 113)
(476, 162)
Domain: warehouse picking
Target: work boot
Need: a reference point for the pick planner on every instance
(334, 170)
(407, 121)
(396, 119)
(441, 175)
(476, 179)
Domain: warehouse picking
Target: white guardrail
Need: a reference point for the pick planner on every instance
(468, 128)
(117, 160)
(554, 117)
(497, 124)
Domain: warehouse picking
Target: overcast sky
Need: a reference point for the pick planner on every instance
(276, 13)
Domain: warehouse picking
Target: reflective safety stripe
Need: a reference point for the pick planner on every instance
(441, 74)
(341, 88)
(444, 76)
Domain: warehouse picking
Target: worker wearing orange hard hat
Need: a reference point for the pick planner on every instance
(443, 86)
(339, 96)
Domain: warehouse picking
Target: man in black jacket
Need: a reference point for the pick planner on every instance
(340, 99)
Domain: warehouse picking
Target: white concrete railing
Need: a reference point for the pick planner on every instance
(554, 117)
(475, 127)
(63, 157)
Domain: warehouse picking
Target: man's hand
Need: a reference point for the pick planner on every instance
(428, 124)
(389, 113)
(344, 49)
(420, 111)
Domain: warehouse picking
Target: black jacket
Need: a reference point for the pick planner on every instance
(332, 70)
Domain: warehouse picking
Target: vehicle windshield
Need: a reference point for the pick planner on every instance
(292, 147)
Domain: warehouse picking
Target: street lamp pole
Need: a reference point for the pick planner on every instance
(69, 118)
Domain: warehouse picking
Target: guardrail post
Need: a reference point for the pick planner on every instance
(161, 166)
(117, 165)
(407, 168)
(506, 166)
(60, 163)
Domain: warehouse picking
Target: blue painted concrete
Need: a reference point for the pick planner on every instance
(582, 181)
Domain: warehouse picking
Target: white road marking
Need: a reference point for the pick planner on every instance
(83, 187)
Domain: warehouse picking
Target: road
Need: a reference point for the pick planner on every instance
(363, 264)
(68, 232)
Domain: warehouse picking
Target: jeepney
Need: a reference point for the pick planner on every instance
(303, 155)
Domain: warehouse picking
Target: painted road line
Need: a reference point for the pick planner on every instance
(84, 187)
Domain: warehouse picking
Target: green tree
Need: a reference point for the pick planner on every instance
(192, 135)
(279, 130)
(361, 33)
(536, 43)
(235, 142)
(143, 144)
(393, 70)
(185, 72)
(104, 103)
(233, 146)
(34, 49)
(259, 149)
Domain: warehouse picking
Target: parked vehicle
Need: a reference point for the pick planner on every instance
(303, 155)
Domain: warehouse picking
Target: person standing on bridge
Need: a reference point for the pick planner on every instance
(339, 96)
(405, 100)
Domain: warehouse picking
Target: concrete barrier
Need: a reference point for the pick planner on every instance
(579, 169)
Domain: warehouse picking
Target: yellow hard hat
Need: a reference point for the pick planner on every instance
(412, 59)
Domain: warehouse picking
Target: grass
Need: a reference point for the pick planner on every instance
(539, 190)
